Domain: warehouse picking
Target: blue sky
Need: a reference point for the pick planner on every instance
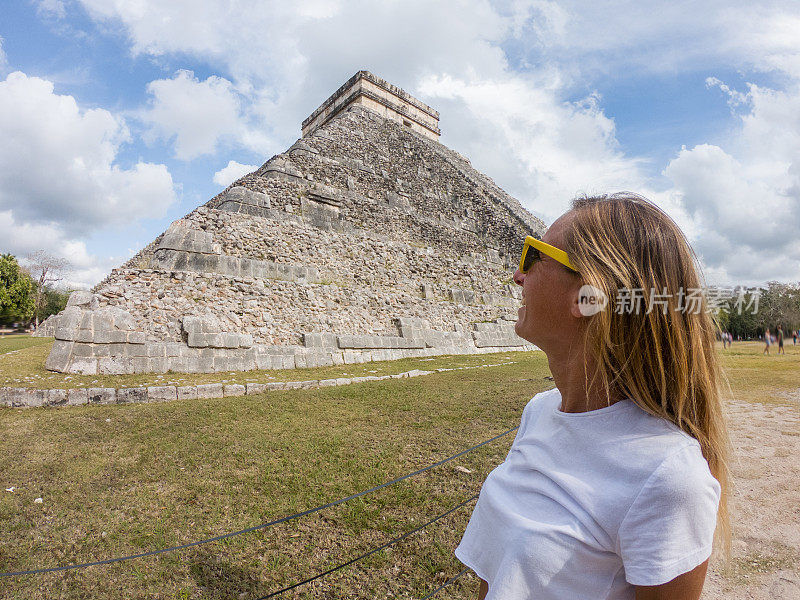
(120, 117)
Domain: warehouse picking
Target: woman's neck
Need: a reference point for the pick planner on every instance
(574, 376)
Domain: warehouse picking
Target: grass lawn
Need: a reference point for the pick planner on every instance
(123, 479)
(18, 341)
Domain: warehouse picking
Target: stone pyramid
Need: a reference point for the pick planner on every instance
(366, 240)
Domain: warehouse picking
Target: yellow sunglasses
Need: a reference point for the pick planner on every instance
(533, 250)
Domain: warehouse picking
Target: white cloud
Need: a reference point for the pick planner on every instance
(57, 162)
(53, 8)
(58, 176)
(560, 148)
(21, 239)
(227, 175)
(197, 114)
(745, 198)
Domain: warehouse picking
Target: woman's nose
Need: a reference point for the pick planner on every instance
(519, 277)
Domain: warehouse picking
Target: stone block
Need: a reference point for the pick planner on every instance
(195, 261)
(118, 336)
(130, 395)
(199, 364)
(229, 340)
(83, 350)
(79, 298)
(162, 393)
(101, 321)
(136, 337)
(86, 320)
(175, 349)
(60, 356)
(245, 340)
(154, 349)
(337, 358)
(84, 366)
(179, 364)
(235, 363)
(187, 392)
(101, 395)
(327, 382)
(138, 350)
(158, 364)
(84, 335)
(210, 390)
(16, 397)
(192, 324)
(233, 389)
(104, 337)
(57, 397)
(301, 361)
(229, 265)
(115, 365)
(119, 349)
(139, 364)
(264, 361)
(66, 333)
(256, 388)
(77, 397)
(199, 340)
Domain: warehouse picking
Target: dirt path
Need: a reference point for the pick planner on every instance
(766, 511)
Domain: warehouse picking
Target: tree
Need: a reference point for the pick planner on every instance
(47, 270)
(16, 291)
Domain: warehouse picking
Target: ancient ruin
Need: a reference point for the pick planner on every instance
(366, 240)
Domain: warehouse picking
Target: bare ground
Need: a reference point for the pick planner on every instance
(766, 509)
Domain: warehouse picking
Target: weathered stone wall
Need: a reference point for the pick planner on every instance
(363, 241)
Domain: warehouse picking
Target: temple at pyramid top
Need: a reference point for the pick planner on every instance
(381, 96)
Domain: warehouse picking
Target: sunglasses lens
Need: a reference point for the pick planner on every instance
(530, 255)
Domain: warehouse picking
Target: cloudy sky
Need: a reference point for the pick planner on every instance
(117, 117)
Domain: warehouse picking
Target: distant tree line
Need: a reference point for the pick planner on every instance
(28, 294)
(749, 313)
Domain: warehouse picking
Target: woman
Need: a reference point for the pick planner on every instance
(617, 479)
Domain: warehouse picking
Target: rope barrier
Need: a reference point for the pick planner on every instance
(445, 584)
(256, 527)
(373, 551)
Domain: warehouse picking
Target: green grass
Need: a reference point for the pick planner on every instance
(10, 343)
(754, 376)
(124, 479)
(154, 475)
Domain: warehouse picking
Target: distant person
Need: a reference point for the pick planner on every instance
(794, 338)
(617, 477)
(766, 342)
(780, 341)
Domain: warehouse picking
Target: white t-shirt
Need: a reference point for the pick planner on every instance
(587, 505)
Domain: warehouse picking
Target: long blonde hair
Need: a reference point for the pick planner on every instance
(661, 354)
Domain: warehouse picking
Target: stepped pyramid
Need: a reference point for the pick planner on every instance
(366, 240)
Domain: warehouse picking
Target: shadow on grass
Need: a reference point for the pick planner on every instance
(222, 579)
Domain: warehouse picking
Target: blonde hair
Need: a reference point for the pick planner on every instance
(663, 359)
